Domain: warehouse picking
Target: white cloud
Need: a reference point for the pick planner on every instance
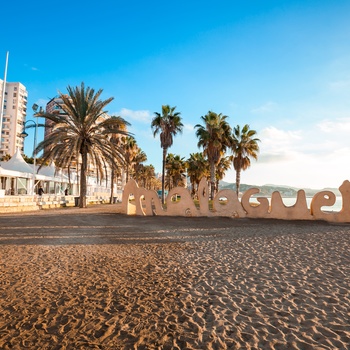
(302, 171)
(265, 108)
(31, 68)
(278, 134)
(339, 125)
(314, 157)
(142, 116)
(276, 157)
(273, 139)
(188, 127)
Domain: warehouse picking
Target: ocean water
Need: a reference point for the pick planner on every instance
(291, 201)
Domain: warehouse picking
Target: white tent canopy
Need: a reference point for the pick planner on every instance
(17, 163)
(17, 177)
(49, 170)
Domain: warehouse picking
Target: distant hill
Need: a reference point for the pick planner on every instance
(285, 191)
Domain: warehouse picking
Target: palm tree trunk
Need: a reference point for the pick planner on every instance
(238, 180)
(163, 175)
(69, 179)
(212, 180)
(136, 172)
(83, 180)
(112, 186)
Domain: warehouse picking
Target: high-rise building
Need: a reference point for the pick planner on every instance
(53, 107)
(13, 117)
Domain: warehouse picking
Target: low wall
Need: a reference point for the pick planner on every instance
(13, 204)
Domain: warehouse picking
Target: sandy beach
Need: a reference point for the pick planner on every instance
(96, 279)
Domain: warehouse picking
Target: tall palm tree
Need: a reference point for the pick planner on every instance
(215, 137)
(244, 146)
(197, 167)
(167, 124)
(82, 133)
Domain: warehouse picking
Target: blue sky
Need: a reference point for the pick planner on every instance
(283, 67)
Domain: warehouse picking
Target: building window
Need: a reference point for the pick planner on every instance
(14, 94)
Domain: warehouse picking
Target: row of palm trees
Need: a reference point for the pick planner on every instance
(86, 136)
(195, 168)
(216, 138)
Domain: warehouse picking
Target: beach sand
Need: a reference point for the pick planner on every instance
(95, 279)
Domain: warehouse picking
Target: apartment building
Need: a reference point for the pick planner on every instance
(52, 107)
(14, 116)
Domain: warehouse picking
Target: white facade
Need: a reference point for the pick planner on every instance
(14, 116)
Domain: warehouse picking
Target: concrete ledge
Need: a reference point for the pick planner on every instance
(18, 209)
(13, 204)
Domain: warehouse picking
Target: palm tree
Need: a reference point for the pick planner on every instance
(7, 157)
(176, 170)
(116, 165)
(115, 173)
(197, 167)
(84, 132)
(139, 158)
(244, 146)
(130, 151)
(168, 124)
(214, 136)
(148, 177)
(223, 165)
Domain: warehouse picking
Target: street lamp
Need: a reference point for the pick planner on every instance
(24, 134)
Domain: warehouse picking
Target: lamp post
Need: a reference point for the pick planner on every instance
(24, 134)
